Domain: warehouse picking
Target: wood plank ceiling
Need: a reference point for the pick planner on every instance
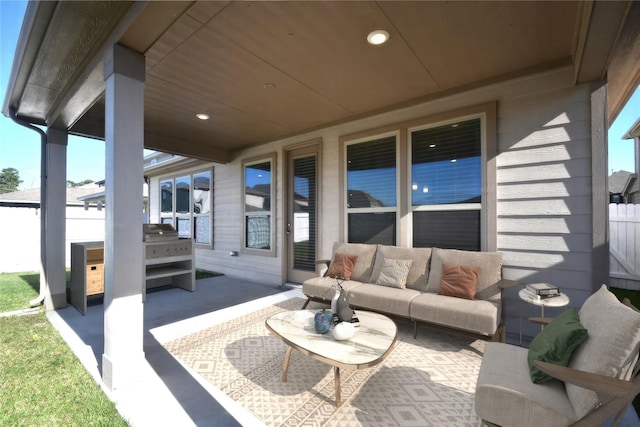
(265, 70)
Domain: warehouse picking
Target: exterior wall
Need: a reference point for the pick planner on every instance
(544, 181)
(544, 196)
(20, 248)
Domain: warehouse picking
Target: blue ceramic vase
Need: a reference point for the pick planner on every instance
(322, 321)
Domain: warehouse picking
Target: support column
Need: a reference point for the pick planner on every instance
(599, 185)
(123, 357)
(55, 215)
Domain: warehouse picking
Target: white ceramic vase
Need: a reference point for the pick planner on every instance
(343, 331)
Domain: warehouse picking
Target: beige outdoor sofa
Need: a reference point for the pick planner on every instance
(418, 300)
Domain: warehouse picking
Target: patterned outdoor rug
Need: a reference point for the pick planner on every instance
(428, 381)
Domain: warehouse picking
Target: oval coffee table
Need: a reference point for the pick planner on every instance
(370, 345)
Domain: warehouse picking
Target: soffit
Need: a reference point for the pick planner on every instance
(266, 70)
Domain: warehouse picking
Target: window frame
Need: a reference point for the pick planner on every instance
(271, 252)
(191, 215)
(404, 221)
(457, 206)
(344, 188)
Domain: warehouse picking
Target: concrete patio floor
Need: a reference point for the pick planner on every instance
(169, 393)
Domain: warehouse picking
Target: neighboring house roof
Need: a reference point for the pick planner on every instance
(634, 131)
(31, 197)
(619, 182)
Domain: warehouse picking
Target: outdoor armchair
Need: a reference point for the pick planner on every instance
(600, 381)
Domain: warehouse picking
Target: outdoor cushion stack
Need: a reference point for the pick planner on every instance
(455, 289)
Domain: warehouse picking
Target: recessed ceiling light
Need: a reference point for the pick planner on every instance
(202, 116)
(378, 37)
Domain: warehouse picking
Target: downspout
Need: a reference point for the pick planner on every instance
(43, 203)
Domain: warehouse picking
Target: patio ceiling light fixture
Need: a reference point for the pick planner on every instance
(202, 116)
(378, 37)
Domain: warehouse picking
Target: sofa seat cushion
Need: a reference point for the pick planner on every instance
(383, 299)
(506, 396)
(477, 316)
(419, 271)
(325, 287)
(490, 264)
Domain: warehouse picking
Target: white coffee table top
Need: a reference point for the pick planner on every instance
(373, 340)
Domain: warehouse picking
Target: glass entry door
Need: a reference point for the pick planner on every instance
(301, 221)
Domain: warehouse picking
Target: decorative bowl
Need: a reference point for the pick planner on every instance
(343, 331)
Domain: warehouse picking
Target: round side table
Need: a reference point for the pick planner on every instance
(557, 301)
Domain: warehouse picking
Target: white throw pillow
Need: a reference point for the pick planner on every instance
(394, 273)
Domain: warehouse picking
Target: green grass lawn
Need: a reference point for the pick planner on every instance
(42, 383)
(17, 289)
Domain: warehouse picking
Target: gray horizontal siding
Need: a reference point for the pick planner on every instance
(544, 210)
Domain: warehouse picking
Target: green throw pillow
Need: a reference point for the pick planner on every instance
(555, 343)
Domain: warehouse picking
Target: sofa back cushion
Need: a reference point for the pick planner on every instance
(612, 346)
(419, 271)
(490, 264)
(364, 264)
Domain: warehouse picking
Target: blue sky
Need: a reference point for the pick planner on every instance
(20, 147)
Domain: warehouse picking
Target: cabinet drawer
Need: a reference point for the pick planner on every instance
(95, 279)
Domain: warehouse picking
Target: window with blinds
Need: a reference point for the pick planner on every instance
(446, 185)
(371, 191)
(185, 203)
(258, 192)
(443, 196)
(304, 213)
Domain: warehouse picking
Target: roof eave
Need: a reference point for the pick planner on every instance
(34, 27)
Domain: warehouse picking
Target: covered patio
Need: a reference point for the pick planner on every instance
(249, 87)
(167, 391)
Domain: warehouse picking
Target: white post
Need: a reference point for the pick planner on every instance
(123, 357)
(55, 215)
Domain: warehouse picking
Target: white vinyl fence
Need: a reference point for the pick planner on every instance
(624, 246)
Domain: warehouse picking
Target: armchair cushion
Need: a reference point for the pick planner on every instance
(612, 347)
(506, 396)
(555, 343)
